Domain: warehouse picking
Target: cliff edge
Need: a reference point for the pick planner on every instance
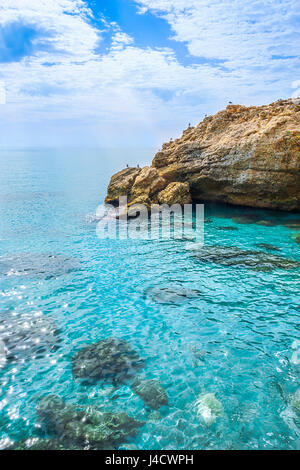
(242, 155)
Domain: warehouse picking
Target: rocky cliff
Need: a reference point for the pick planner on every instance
(242, 155)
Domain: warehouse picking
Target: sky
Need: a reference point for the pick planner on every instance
(133, 73)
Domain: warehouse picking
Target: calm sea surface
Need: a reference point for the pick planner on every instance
(202, 326)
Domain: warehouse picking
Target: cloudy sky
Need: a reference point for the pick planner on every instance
(133, 73)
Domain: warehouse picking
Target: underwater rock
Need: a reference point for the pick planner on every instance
(293, 226)
(297, 238)
(28, 336)
(37, 265)
(295, 358)
(88, 427)
(268, 246)
(246, 219)
(111, 360)
(291, 223)
(230, 228)
(151, 392)
(198, 355)
(296, 344)
(266, 223)
(154, 416)
(171, 295)
(208, 408)
(233, 256)
(295, 401)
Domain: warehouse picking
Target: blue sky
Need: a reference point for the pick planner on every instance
(113, 73)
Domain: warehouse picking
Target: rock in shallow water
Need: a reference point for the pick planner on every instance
(151, 392)
(85, 428)
(233, 256)
(111, 360)
(295, 401)
(208, 408)
(37, 265)
(171, 295)
(28, 336)
(268, 246)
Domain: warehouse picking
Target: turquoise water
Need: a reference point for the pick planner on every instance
(232, 334)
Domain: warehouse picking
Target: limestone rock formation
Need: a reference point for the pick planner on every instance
(242, 155)
(175, 193)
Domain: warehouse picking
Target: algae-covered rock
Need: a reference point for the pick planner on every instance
(151, 392)
(87, 427)
(208, 408)
(175, 193)
(236, 257)
(111, 360)
(26, 336)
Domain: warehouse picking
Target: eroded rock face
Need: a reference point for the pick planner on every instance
(112, 360)
(85, 428)
(242, 155)
(175, 193)
(151, 392)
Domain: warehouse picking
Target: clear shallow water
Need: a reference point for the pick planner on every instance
(232, 337)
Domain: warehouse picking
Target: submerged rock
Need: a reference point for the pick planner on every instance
(295, 401)
(171, 295)
(208, 408)
(246, 219)
(268, 246)
(246, 156)
(296, 237)
(229, 228)
(86, 428)
(266, 223)
(151, 392)
(37, 265)
(295, 357)
(233, 256)
(111, 360)
(28, 336)
(199, 355)
(291, 223)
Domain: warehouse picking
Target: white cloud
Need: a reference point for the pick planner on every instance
(235, 31)
(124, 88)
